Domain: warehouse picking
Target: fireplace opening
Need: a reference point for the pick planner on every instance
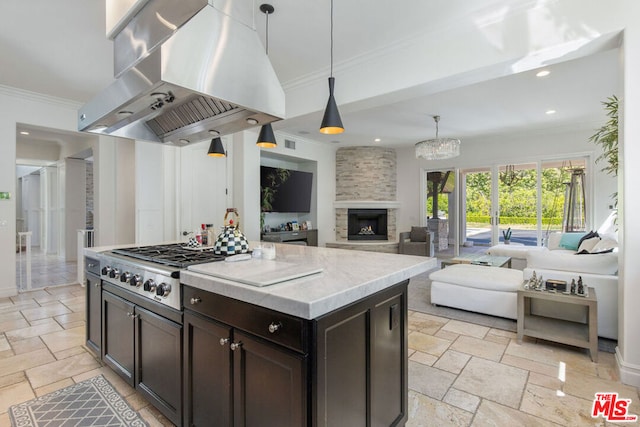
(367, 224)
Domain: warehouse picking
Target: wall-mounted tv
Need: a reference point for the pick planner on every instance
(285, 190)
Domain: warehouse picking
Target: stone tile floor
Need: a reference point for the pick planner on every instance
(46, 270)
(460, 373)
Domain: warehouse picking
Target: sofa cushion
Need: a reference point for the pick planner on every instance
(567, 261)
(418, 234)
(481, 277)
(571, 241)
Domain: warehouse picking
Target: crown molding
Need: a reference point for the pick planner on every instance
(38, 97)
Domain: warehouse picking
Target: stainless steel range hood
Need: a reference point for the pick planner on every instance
(185, 71)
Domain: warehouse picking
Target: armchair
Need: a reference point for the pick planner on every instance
(418, 241)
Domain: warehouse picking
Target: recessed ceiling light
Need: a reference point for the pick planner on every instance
(252, 121)
(377, 140)
(24, 132)
(550, 112)
(214, 132)
(543, 73)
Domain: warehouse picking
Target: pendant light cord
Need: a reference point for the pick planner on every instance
(267, 35)
(331, 38)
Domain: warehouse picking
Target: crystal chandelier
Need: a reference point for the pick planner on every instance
(438, 148)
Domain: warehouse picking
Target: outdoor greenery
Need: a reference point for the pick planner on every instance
(517, 194)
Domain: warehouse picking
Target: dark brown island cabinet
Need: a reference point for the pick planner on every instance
(142, 342)
(93, 286)
(246, 365)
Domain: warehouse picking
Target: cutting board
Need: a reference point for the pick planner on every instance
(256, 272)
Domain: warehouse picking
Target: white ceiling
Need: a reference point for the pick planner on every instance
(59, 48)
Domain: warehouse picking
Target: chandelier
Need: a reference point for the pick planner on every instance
(438, 148)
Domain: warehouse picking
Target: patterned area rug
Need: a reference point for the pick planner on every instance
(93, 402)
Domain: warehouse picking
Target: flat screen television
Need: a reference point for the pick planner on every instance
(285, 190)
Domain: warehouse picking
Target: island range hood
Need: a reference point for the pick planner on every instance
(186, 70)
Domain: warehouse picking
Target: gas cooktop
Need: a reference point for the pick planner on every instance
(173, 255)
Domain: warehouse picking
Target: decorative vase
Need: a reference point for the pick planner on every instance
(231, 241)
(507, 241)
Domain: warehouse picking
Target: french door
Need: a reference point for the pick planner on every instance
(525, 201)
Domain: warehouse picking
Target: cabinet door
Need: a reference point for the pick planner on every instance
(342, 367)
(158, 352)
(207, 372)
(94, 313)
(388, 367)
(269, 384)
(117, 334)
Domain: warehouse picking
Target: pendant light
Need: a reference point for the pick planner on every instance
(266, 138)
(437, 148)
(216, 149)
(331, 122)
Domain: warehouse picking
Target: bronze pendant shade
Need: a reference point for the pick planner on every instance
(331, 122)
(266, 139)
(216, 149)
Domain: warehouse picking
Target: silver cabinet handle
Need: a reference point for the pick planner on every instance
(274, 327)
(223, 341)
(91, 265)
(235, 346)
(97, 285)
(195, 300)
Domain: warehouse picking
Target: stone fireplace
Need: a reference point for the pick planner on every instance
(366, 197)
(367, 224)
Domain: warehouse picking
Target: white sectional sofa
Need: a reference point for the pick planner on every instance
(598, 271)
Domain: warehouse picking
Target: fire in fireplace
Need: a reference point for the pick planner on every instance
(367, 224)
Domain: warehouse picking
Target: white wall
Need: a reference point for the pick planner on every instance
(502, 150)
(628, 351)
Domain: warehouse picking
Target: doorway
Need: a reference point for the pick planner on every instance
(441, 210)
(54, 199)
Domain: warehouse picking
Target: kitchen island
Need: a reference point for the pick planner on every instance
(316, 337)
(328, 348)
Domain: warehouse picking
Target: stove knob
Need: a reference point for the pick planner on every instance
(125, 277)
(106, 270)
(163, 290)
(150, 285)
(135, 280)
(114, 273)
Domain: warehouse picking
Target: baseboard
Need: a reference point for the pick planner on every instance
(8, 292)
(629, 373)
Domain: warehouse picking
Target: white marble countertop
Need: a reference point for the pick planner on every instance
(346, 277)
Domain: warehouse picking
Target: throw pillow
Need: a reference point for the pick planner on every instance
(589, 235)
(418, 234)
(587, 245)
(571, 240)
(604, 245)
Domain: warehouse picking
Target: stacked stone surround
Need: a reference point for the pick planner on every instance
(365, 174)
